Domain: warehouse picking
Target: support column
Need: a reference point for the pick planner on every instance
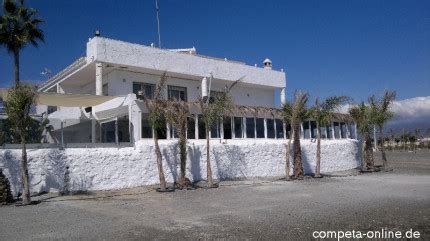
(355, 131)
(276, 130)
(310, 129)
(116, 131)
(332, 130)
(284, 129)
(302, 134)
(93, 129)
(62, 134)
(255, 127)
(244, 127)
(196, 127)
(265, 128)
(168, 131)
(283, 96)
(99, 79)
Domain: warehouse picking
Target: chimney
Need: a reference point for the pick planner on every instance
(97, 33)
(267, 63)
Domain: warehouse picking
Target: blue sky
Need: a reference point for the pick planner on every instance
(352, 48)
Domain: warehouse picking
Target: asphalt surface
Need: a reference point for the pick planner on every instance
(258, 209)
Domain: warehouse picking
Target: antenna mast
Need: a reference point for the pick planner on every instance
(158, 23)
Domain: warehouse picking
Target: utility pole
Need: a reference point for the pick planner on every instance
(158, 23)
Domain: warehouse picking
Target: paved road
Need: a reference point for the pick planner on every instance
(273, 210)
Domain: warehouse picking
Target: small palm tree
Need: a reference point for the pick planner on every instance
(287, 115)
(155, 108)
(17, 106)
(213, 110)
(19, 26)
(323, 114)
(296, 112)
(381, 113)
(177, 113)
(362, 117)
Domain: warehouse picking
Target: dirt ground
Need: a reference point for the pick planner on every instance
(255, 209)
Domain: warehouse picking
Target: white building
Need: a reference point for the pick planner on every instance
(119, 70)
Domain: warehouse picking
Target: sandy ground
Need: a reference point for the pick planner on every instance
(259, 209)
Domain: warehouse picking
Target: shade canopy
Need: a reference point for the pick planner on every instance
(65, 100)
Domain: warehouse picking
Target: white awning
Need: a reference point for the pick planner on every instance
(65, 100)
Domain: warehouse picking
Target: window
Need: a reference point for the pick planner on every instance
(148, 90)
(260, 127)
(202, 128)
(336, 130)
(226, 125)
(343, 130)
(237, 127)
(216, 130)
(288, 131)
(306, 130)
(270, 128)
(105, 89)
(213, 95)
(352, 131)
(323, 132)
(313, 129)
(250, 127)
(330, 132)
(146, 126)
(279, 129)
(108, 132)
(177, 93)
(191, 128)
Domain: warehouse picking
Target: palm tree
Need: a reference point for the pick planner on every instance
(177, 113)
(381, 113)
(362, 117)
(297, 114)
(323, 115)
(19, 26)
(287, 115)
(155, 108)
(213, 109)
(17, 106)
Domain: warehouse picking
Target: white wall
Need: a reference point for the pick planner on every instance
(120, 82)
(128, 54)
(114, 168)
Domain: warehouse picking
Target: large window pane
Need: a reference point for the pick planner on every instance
(288, 131)
(336, 130)
(146, 126)
(216, 130)
(147, 89)
(352, 131)
(191, 128)
(123, 129)
(177, 93)
(238, 127)
(108, 132)
(313, 129)
(202, 130)
(330, 132)
(279, 129)
(270, 128)
(343, 130)
(260, 127)
(306, 130)
(250, 127)
(227, 127)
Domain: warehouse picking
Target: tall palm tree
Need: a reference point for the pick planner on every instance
(19, 26)
(177, 113)
(287, 115)
(297, 113)
(155, 108)
(381, 113)
(213, 110)
(362, 117)
(323, 114)
(18, 105)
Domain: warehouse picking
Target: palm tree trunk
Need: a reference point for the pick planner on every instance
(208, 160)
(183, 153)
(384, 156)
(16, 63)
(159, 163)
(24, 175)
(369, 153)
(363, 155)
(318, 161)
(298, 166)
(287, 160)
